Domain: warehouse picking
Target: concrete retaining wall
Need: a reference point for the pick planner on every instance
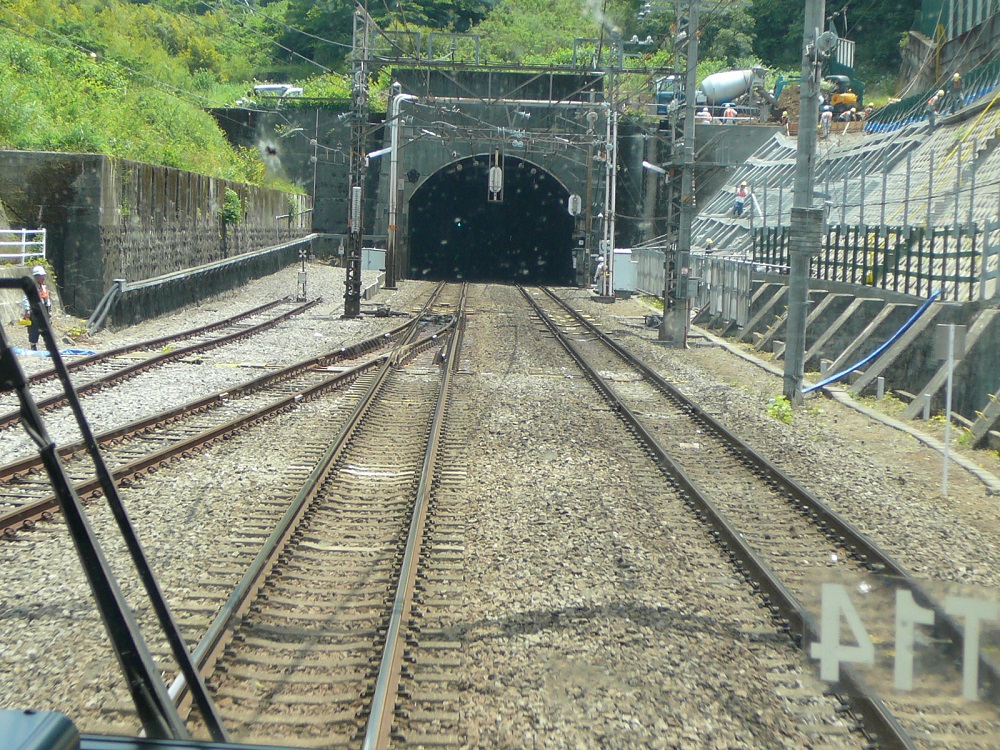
(847, 324)
(922, 68)
(108, 218)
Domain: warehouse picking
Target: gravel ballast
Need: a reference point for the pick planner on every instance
(597, 616)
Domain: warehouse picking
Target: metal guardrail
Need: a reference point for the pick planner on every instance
(122, 287)
(30, 244)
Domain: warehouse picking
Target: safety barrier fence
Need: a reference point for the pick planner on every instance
(22, 244)
(960, 265)
(963, 261)
(720, 286)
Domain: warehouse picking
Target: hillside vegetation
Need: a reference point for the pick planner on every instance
(135, 78)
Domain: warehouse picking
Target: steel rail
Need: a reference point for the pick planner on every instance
(155, 343)
(44, 508)
(47, 506)
(837, 528)
(402, 351)
(59, 399)
(380, 716)
(30, 463)
(220, 632)
(879, 720)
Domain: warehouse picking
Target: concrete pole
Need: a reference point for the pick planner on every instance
(611, 192)
(807, 222)
(675, 323)
(588, 214)
(391, 261)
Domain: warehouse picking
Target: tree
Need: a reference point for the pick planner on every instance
(727, 33)
(779, 31)
(874, 26)
(321, 30)
(517, 29)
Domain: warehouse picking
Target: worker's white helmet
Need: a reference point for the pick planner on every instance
(38, 271)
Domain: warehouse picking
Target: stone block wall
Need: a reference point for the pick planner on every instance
(309, 148)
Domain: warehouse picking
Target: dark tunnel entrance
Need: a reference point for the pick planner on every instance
(457, 233)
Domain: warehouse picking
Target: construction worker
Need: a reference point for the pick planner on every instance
(34, 325)
(933, 104)
(740, 200)
(729, 115)
(599, 273)
(955, 100)
(826, 120)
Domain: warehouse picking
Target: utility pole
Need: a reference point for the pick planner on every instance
(359, 142)
(611, 176)
(807, 221)
(676, 321)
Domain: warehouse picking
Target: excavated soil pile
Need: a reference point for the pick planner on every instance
(789, 102)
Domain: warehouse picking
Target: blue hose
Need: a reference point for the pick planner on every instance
(877, 352)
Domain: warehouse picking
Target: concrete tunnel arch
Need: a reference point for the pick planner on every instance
(456, 233)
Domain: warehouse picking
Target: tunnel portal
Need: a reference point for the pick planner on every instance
(457, 233)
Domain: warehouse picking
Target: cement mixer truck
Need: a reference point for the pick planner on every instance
(670, 94)
(744, 89)
(728, 86)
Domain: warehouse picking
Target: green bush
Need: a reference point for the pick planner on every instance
(232, 207)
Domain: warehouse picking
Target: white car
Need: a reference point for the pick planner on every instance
(280, 90)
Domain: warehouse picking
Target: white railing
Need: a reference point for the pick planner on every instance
(29, 243)
(721, 284)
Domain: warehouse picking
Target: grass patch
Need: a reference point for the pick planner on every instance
(780, 408)
(890, 404)
(654, 302)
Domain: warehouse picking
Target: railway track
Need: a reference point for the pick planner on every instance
(145, 444)
(307, 435)
(783, 542)
(266, 616)
(310, 646)
(98, 371)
